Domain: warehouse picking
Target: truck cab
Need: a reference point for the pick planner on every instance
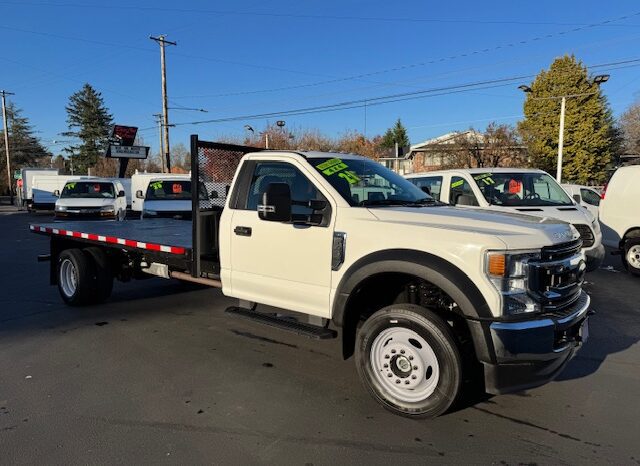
(516, 190)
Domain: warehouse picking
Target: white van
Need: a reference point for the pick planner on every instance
(92, 198)
(620, 216)
(140, 182)
(43, 187)
(586, 196)
(169, 198)
(518, 190)
(27, 174)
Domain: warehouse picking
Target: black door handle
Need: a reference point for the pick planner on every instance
(242, 231)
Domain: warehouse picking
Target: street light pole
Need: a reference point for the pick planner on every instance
(561, 139)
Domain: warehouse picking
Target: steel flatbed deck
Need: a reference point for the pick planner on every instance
(168, 236)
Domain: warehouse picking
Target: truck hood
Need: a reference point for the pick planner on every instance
(167, 205)
(85, 202)
(517, 231)
(569, 214)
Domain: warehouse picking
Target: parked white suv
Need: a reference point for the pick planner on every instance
(518, 190)
(92, 198)
(620, 216)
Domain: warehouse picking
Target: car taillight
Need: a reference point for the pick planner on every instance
(604, 191)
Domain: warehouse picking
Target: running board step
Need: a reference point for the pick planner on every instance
(307, 330)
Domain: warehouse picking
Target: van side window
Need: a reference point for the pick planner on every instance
(430, 184)
(460, 192)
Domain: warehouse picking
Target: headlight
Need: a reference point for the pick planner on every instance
(61, 208)
(107, 209)
(508, 272)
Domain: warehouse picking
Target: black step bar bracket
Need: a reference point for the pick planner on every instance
(284, 323)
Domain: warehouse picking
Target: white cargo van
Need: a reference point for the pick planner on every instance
(518, 190)
(43, 188)
(27, 174)
(92, 198)
(140, 182)
(168, 198)
(620, 216)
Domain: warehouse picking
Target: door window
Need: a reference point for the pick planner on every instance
(433, 184)
(302, 189)
(461, 192)
(590, 197)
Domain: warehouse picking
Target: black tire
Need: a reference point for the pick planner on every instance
(438, 336)
(74, 262)
(103, 278)
(632, 267)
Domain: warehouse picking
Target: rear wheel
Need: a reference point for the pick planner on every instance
(631, 257)
(75, 277)
(408, 359)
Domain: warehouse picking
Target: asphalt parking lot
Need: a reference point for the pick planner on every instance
(159, 374)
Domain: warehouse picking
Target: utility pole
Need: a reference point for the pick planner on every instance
(161, 144)
(165, 107)
(6, 141)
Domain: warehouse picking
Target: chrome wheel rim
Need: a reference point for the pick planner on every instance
(633, 256)
(68, 278)
(405, 364)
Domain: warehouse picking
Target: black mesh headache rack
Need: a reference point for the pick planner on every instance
(213, 165)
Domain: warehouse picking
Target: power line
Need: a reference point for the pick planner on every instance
(294, 15)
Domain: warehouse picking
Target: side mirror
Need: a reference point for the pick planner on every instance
(577, 198)
(276, 203)
(56, 193)
(139, 194)
(121, 194)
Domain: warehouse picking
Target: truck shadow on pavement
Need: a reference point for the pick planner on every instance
(615, 326)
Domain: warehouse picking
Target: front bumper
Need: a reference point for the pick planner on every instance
(594, 256)
(527, 354)
(84, 214)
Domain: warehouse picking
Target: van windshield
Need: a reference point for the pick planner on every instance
(169, 190)
(88, 189)
(365, 182)
(521, 189)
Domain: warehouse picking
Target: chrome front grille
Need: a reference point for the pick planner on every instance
(586, 234)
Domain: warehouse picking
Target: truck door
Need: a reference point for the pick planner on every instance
(286, 265)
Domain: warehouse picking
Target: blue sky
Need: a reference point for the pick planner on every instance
(227, 50)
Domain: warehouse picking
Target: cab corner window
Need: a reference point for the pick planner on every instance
(461, 193)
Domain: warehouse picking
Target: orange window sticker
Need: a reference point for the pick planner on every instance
(515, 186)
(176, 188)
(96, 188)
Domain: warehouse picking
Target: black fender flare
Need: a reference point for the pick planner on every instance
(440, 272)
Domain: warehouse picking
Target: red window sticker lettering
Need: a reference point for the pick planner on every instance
(177, 188)
(96, 188)
(515, 186)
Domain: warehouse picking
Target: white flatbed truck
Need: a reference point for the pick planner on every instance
(423, 293)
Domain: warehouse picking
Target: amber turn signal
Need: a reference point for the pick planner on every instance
(497, 264)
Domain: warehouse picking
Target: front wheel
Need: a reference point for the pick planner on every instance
(631, 257)
(408, 359)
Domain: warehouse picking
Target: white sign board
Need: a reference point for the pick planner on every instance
(128, 152)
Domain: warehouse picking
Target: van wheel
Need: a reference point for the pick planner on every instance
(631, 257)
(103, 278)
(408, 359)
(75, 277)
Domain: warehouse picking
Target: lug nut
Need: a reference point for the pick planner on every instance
(385, 366)
(393, 351)
(415, 368)
(386, 356)
(413, 377)
(401, 351)
(389, 375)
(410, 358)
(397, 380)
(406, 382)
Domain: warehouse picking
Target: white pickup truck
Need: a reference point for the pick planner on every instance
(518, 190)
(424, 294)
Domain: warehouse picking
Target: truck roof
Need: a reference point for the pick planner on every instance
(473, 171)
(312, 154)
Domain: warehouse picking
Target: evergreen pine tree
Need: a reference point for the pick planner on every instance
(396, 134)
(590, 138)
(88, 120)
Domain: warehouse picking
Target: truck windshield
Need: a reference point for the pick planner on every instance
(521, 189)
(88, 189)
(365, 182)
(169, 190)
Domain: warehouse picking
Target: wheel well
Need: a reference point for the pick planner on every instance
(632, 233)
(383, 289)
